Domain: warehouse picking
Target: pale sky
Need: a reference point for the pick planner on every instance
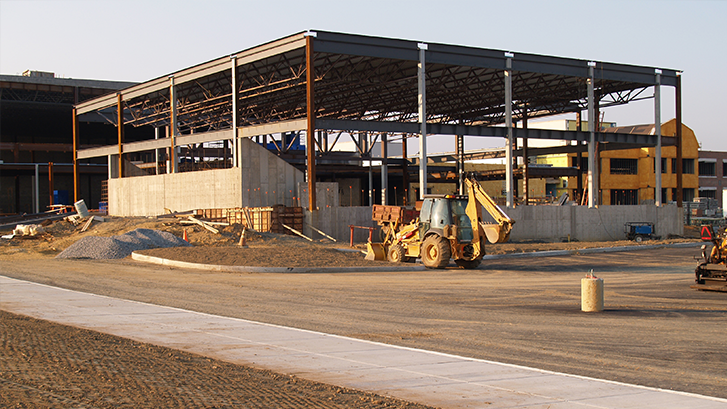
(139, 40)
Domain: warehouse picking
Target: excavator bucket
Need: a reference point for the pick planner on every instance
(375, 251)
(496, 233)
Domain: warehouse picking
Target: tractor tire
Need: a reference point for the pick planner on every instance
(397, 254)
(468, 264)
(435, 252)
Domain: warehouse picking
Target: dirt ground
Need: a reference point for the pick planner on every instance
(46, 365)
(264, 249)
(655, 331)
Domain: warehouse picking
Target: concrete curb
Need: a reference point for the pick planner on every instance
(278, 270)
(410, 267)
(553, 253)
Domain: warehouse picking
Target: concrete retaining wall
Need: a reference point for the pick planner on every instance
(605, 223)
(263, 180)
(149, 195)
(266, 179)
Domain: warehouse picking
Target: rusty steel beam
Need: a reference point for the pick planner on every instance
(311, 123)
(75, 156)
(50, 182)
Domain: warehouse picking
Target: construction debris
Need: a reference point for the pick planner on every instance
(29, 230)
(203, 224)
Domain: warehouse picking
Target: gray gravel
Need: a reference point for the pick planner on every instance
(95, 247)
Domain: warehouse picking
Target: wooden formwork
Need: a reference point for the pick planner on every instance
(263, 219)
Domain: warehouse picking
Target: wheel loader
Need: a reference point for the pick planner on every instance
(448, 227)
(711, 271)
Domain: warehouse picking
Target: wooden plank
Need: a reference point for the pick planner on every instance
(87, 224)
(324, 234)
(203, 224)
(298, 233)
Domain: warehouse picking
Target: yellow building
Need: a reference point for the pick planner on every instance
(628, 176)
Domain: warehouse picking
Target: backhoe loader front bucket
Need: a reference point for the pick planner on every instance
(375, 251)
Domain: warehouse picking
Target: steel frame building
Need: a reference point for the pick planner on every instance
(325, 83)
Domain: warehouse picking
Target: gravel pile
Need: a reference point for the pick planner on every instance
(95, 247)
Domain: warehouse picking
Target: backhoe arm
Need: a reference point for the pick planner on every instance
(498, 232)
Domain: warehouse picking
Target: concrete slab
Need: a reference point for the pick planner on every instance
(417, 375)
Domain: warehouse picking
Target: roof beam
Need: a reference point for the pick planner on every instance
(198, 71)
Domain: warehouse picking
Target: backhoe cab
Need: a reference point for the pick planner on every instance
(448, 227)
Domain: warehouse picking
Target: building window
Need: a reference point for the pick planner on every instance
(687, 195)
(688, 166)
(624, 166)
(724, 168)
(663, 165)
(624, 197)
(710, 193)
(665, 197)
(707, 168)
(584, 163)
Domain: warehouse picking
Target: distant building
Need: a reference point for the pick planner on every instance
(627, 177)
(712, 168)
(36, 140)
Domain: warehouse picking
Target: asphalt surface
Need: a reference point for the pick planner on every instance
(656, 331)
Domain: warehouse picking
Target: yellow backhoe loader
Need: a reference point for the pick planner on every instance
(711, 271)
(448, 227)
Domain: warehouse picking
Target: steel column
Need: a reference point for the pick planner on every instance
(36, 198)
(50, 183)
(657, 131)
(173, 128)
(422, 101)
(156, 151)
(311, 123)
(680, 170)
(384, 168)
(592, 174)
(366, 139)
(526, 172)
(508, 124)
(235, 153)
(405, 168)
(579, 159)
(120, 128)
(75, 156)
(459, 151)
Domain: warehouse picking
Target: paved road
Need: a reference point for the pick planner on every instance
(656, 331)
(423, 376)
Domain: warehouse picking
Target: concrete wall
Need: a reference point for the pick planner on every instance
(331, 218)
(266, 179)
(547, 223)
(334, 221)
(263, 180)
(149, 195)
(605, 223)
